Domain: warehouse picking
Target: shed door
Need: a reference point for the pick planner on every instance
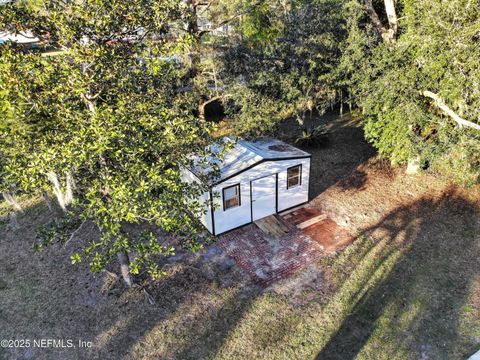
(264, 197)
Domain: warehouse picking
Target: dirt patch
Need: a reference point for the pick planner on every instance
(382, 192)
(310, 285)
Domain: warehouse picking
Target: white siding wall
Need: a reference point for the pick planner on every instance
(241, 215)
(288, 198)
(206, 216)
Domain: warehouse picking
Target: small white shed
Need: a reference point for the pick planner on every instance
(257, 179)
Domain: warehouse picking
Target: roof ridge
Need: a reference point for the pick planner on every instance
(250, 146)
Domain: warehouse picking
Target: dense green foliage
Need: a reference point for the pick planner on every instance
(310, 55)
(106, 111)
(287, 68)
(437, 50)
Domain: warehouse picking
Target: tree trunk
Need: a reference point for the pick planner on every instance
(341, 103)
(372, 13)
(201, 111)
(194, 31)
(388, 35)
(57, 190)
(64, 198)
(69, 190)
(125, 268)
(195, 59)
(392, 15)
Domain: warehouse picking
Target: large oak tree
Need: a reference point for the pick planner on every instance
(102, 117)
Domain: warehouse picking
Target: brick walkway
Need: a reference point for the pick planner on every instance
(267, 259)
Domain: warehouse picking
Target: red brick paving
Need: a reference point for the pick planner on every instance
(326, 232)
(266, 259)
(300, 215)
(329, 234)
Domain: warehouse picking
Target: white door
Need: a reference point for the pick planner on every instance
(264, 192)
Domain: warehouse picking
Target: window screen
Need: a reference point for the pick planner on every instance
(231, 197)
(294, 176)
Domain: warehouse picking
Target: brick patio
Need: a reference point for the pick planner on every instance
(266, 258)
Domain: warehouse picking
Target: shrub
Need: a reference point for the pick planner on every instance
(313, 136)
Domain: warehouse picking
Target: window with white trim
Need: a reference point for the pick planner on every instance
(294, 176)
(231, 197)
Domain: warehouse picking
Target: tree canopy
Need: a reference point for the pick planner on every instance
(106, 115)
(435, 52)
(410, 67)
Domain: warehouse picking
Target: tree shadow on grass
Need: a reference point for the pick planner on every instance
(416, 306)
(209, 331)
(46, 296)
(190, 320)
(356, 180)
(425, 271)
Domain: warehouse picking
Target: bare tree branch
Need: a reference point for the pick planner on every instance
(392, 15)
(212, 100)
(74, 233)
(441, 104)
